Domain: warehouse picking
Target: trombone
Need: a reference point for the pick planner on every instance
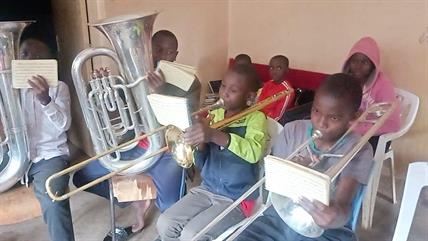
(294, 215)
(182, 152)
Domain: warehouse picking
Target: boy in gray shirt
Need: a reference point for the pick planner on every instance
(335, 107)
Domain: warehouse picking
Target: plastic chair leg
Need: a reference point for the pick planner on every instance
(390, 155)
(370, 197)
(417, 178)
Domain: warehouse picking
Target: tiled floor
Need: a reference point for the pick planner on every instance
(91, 220)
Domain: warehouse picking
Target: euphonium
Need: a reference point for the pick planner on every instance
(289, 211)
(14, 160)
(175, 144)
(125, 96)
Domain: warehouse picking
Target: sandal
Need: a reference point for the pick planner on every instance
(122, 234)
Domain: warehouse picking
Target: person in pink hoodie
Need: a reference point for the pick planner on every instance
(363, 63)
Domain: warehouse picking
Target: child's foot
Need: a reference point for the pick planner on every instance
(141, 210)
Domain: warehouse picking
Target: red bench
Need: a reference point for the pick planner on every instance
(298, 78)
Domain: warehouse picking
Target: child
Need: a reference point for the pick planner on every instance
(47, 118)
(278, 69)
(335, 107)
(242, 59)
(165, 45)
(166, 174)
(227, 160)
(363, 63)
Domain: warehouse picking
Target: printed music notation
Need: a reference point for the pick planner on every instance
(170, 110)
(293, 180)
(176, 74)
(22, 70)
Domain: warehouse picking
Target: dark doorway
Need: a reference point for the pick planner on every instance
(39, 10)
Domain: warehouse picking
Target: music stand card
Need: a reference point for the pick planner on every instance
(170, 110)
(22, 70)
(292, 180)
(179, 75)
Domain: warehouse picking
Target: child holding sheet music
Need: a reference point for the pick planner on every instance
(227, 159)
(335, 107)
(165, 45)
(47, 118)
(165, 173)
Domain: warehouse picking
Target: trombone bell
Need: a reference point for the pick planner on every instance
(181, 152)
(295, 216)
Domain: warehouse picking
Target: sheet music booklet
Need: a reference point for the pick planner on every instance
(292, 180)
(22, 70)
(176, 74)
(170, 110)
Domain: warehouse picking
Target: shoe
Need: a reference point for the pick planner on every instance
(122, 234)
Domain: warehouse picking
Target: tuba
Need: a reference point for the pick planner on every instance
(116, 106)
(14, 160)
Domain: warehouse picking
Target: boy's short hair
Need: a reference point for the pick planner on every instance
(343, 86)
(164, 34)
(249, 73)
(243, 58)
(281, 58)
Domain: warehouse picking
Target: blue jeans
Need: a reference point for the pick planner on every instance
(270, 227)
(56, 214)
(166, 175)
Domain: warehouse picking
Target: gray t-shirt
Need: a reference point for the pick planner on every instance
(297, 132)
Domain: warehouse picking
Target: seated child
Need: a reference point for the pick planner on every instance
(363, 62)
(242, 59)
(278, 68)
(166, 174)
(335, 107)
(47, 118)
(227, 160)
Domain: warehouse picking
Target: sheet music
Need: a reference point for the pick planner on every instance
(179, 75)
(22, 70)
(170, 110)
(293, 180)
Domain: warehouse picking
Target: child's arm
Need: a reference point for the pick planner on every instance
(201, 133)
(337, 213)
(58, 108)
(156, 81)
(384, 91)
(282, 105)
(250, 148)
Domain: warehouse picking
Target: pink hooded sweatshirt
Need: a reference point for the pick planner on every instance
(379, 87)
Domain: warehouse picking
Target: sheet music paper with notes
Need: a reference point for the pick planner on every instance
(179, 75)
(22, 70)
(293, 180)
(170, 110)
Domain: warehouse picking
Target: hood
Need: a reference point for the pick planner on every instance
(368, 47)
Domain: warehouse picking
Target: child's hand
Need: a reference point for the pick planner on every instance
(156, 81)
(324, 216)
(40, 88)
(198, 133)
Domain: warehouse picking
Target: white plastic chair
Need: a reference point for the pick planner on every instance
(417, 178)
(409, 108)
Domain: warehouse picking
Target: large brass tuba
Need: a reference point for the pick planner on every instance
(125, 96)
(14, 160)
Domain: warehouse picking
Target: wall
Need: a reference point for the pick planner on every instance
(316, 35)
(200, 26)
(72, 35)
